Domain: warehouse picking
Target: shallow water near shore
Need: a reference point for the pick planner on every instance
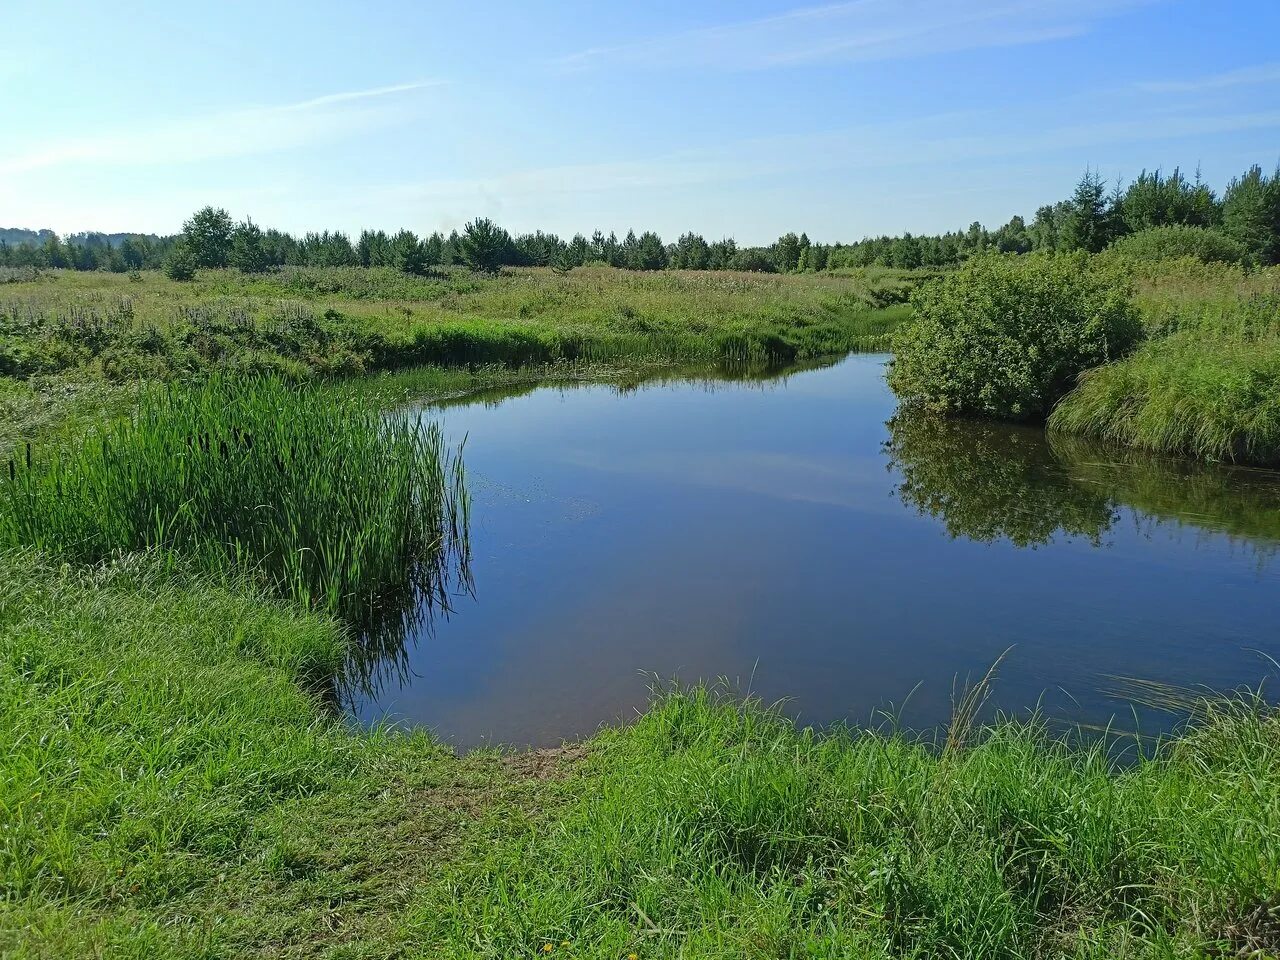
(796, 535)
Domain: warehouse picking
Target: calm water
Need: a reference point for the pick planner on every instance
(795, 537)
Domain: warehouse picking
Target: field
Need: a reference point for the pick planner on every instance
(302, 321)
(181, 586)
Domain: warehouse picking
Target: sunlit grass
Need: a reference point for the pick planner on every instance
(305, 322)
(713, 828)
(326, 500)
(1211, 397)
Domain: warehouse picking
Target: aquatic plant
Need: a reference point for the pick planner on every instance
(326, 500)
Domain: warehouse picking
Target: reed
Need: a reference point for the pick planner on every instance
(327, 501)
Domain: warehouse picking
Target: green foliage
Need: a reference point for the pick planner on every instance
(1154, 200)
(1216, 397)
(1089, 224)
(247, 252)
(691, 252)
(484, 245)
(1175, 240)
(207, 236)
(1007, 337)
(786, 253)
(649, 253)
(328, 502)
(1251, 214)
(181, 263)
(407, 254)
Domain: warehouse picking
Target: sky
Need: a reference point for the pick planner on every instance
(744, 119)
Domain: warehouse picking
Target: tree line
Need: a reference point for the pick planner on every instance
(1243, 224)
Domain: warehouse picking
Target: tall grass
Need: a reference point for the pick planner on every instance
(300, 323)
(1216, 398)
(712, 828)
(330, 503)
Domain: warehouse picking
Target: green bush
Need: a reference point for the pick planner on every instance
(1007, 336)
(1175, 240)
(181, 264)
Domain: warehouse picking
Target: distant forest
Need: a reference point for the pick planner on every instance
(1157, 214)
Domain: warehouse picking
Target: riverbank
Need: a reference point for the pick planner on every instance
(168, 793)
(303, 322)
(1205, 381)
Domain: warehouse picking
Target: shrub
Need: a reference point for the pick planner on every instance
(1174, 241)
(1007, 336)
(181, 264)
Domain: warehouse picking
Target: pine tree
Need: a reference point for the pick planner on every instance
(1251, 214)
(484, 246)
(1085, 226)
(247, 253)
(208, 237)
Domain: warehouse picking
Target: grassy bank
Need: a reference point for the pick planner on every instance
(301, 322)
(1206, 380)
(178, 590)
(174, 788)
(713, 829)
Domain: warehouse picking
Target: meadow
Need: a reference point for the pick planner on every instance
(300, 322)
(205, 512)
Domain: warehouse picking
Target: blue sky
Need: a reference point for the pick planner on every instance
(745, 119)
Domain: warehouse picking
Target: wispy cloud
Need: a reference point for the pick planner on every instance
(934, 139)
(1262, 73)
(238, 132)
(862, 30)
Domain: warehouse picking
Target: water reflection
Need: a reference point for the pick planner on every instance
(988, 482)
(787, 530)
(386, 623)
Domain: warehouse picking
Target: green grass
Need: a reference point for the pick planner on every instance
(329, 502)
(1205, 382)
(181, 577)
(1211, 397)
(171, 787)
(714, 829)
(301, 323)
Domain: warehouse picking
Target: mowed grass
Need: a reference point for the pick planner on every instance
(304, 322)
(172, 787)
